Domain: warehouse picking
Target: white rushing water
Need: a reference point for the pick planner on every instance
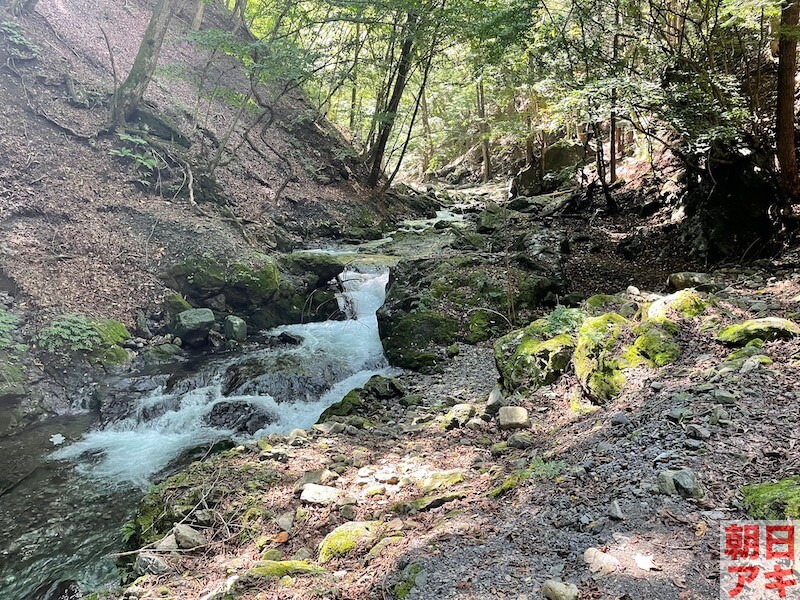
(164, 424)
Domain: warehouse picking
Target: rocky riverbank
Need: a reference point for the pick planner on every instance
(592, 452)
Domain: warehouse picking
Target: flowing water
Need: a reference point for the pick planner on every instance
(60, 518)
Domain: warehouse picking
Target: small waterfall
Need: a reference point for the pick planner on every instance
(276, 389)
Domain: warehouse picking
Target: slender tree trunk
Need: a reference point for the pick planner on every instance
(784, 121)
(354, 88)
(484, 131)
(385, 128)
(238, 14)
(612, 137)
(126, 100)
(427, 150)
(197, 22)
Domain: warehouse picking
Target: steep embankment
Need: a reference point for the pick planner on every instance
(91, 221)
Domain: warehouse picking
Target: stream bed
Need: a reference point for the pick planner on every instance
(67, 485)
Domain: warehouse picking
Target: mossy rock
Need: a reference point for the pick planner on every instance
(684, 304)
(597, 359)
(114, 355)
(483, 325)
(427, 502)
(407, 581)
(251, 287)
(320, 268)
(602, 303)
(112, 333)
(534, 362)
(12, 379)
(200, 277)
(774, 500)
(345, 407)
(737, 358)
(407, 336)
(441, 480)
(175, 304)
(279, 568)
(510, 483)
(656, 342)
(767, 329)
(346, 538)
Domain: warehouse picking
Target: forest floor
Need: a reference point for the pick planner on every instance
(581, 478)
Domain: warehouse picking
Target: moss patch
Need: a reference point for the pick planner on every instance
(597, 362)
(409, 335)
(408, 579)
(279, 568)
(656, 342)
(174, 304)
(427, 502)
(686, 304)
(346, 538)
(776, 501)
(770, 328)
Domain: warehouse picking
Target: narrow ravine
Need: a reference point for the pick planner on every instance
(65, 516)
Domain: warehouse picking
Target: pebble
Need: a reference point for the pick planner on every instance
(513, 417)
(319, 494)
(615, 511)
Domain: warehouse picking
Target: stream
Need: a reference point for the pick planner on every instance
(67, 485)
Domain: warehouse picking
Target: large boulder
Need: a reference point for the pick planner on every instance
(769, 328)
(193, 325)
(597, 359)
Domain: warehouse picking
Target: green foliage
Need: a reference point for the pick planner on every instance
(17, 45)
(539, 469)
(8, 324)
(70, 335)
(146, 159)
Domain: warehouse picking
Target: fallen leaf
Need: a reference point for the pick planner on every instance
(701, 529)
(281, 538)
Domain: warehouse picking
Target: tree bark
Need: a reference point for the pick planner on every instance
(784, 117)
(483, 129)
(427, 150)
(385, 129)
(126, 100)
(197, 22)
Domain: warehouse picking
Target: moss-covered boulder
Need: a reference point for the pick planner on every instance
(767, 329)
(321, 267)
(408, 338)
(199, 277)
(523, 358)
(12, 379)
(265, 569)
(683, 304)
(777, 500)
(603, 303)
(366, 400)
(597, 357)
(175, 304)
(655, 341)
(346, 538)
(753, 349)
(251, 287)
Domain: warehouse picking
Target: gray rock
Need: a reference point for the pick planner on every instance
(697, 432)
(151, 564)
(193, 325)
(348, 512)
(679, 414)
(599, 562)
(691, 444)
(188, 537)
(320, 476)
(688, 279)
(458, 416)
(520, 440)
(298, 437)
(559, 590)
(235, 328)
(719, 416)
(615, 511)
(513, 417)
(496, 400)
(285, 520)
(620, 420)
(321, 495)
(724, 396)
(683, 482)
(167, 543)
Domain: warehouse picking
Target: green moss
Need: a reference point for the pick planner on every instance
(596, 358)
(279, 568)
(408, 335)
(113, 356)
(246, 286)
(776, 501)
(345, 538)
(737, 358)
(687, 304)
(656, 342)
(509, 483)
(112, 332)
(408, 579)
(346, 406)
(199, 277)
(482, 325)
(770, 328)
(441, 480)
(601, 303)
(12, 379)
(174, 304)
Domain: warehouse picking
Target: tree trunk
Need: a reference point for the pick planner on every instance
(484, 131)
(354, 89)
(427, 150)
(385, 129)
(126, 100)
(784, 118)
(197, 22)
(238, 15)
